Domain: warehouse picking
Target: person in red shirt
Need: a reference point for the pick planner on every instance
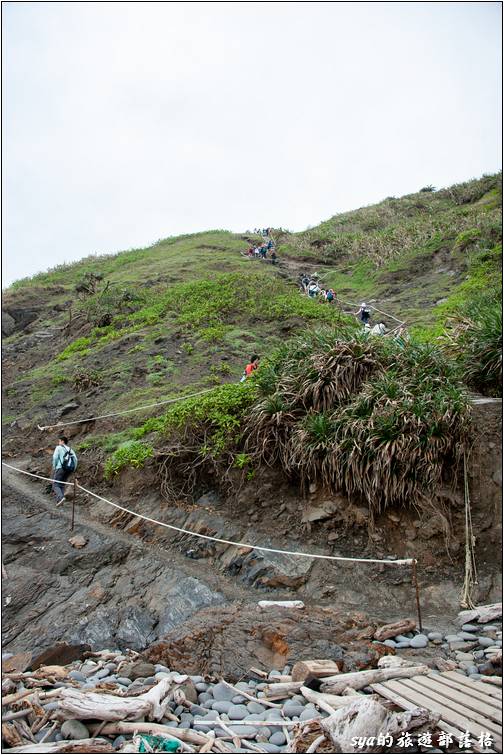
(250, 367)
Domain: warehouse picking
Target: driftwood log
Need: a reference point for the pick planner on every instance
(359, 679)
(367, 718)
(391, 630)
(282, 689)
(319, 668)
(81, 745)
(86, 705)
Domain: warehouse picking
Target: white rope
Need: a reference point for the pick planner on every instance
(222, 540)
(30, 474)
(126, 411)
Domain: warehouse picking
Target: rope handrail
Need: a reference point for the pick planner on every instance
(126, 411)
(301, 554)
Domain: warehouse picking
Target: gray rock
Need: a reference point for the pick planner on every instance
(158, 667)
(8, 324)
(435, 636)
(73, 729)
(264, 734)
(451, 637)
(201, 686)
(273, 715)
(208, 704)
(291, 709)
(286, 670)
(124, 681)
(489, 628)
(472, 669)
(50, 706)
(470, 628)
(77, 676)
(161, 675)
(190, 596)
(198, 710)
(239, 699)
(402, 638)
(274, 674)
(203, 697)
(400, 645)
(136, 626)
(243, 730)
(479, 655)
(149, 680)
(466, 636)
(102, 673)
(243, 686)
(309, 713)
(278, 738)
(420, 641)
(237, 712)
(389, 643)
(196, 679)
(255, 708)
(485, 642)
(221, 692)
(119, 741)
(221, 706)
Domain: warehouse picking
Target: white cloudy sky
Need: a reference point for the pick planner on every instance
(127, 122)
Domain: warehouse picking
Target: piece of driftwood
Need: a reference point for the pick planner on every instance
(130, 727)
(316, 744)
(495, 680)
(262, 700)
(283, 689)
(281, 603)
(359, 679)
(392, 630)
(10, 735)
(481, 614)
(367, 718)
(85, 705)
(79, 745)
(324, 700)
(317, 668)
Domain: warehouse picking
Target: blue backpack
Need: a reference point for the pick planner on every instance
(69, 462)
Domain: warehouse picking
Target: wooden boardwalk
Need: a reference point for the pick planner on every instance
(465, 705)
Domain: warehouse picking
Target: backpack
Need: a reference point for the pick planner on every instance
(69, 462)
(330, 296)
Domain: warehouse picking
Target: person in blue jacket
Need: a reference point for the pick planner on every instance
(64, 462)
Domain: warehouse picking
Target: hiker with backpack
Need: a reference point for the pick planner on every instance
(330, 295)
(363, 313)
(64, 462)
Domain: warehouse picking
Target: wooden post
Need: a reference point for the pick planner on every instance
(417, 594)
(73, 503)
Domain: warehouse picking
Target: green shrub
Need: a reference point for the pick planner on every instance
(132, 453)
(79, 346)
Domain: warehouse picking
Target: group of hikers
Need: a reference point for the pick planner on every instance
(261, 251)
(312, 288)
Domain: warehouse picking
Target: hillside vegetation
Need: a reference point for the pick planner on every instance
(113, 332)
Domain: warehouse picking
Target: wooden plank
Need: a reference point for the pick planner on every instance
(448, 715)
(469, 691)
(478, 718)
(471, 703)
(402, 702)
(485, 689)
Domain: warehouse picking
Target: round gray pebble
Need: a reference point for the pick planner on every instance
(238, 699)
(201, 686)
(208, 704)
(470, 628)
(73, 729)
(400, 645)
(102, 673)
(203, 697)
(124, 681)
(420, 641)
(452, 637)
(435, 636)
(401, 638)
(255, 707)
(485, 642)
(77, 676)
(278, 738)
(237, 712)
(291, 709)
(118, 742)
(243, 686)
(196, 679)
(389, 643)
(197, 710)
(221, 706)
(243, 730)
(309, 713)
(221, 692)
(159, 667)
(466, 636)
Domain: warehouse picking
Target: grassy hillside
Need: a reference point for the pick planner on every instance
(113, 332)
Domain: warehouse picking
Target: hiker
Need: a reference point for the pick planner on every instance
(330, 295)
(363, 313)
(257, 252)
(264, 251)
(270, 244)
(274, 258)
(313, 289)
(250, 367)
(250, 251)
(379, 329)
(64, 463)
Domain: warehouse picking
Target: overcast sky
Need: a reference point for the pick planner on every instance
(124, 123)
